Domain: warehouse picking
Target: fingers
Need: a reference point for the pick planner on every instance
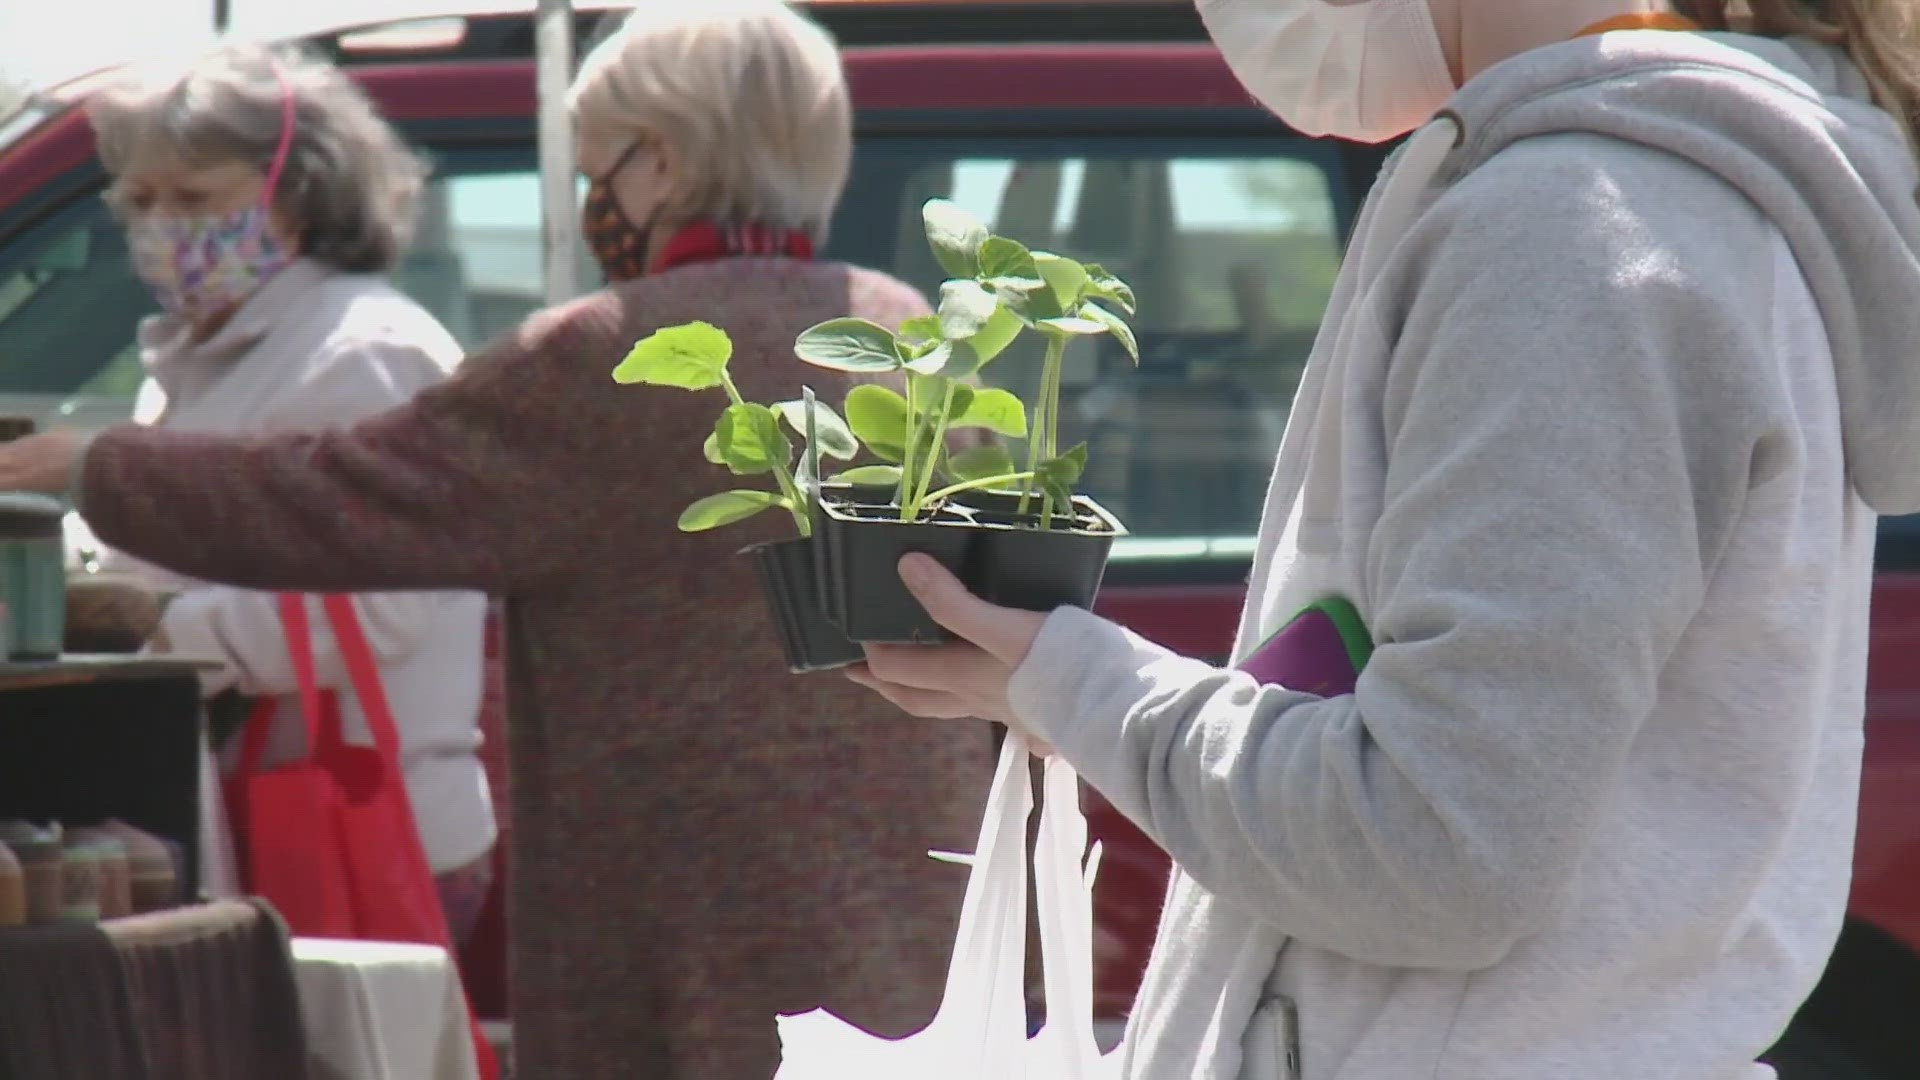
(954, 669)
(952, 606)
(931, 704)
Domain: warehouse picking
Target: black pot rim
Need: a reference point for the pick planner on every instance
(1085, 508)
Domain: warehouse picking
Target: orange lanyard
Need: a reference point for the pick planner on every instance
(1645, 20)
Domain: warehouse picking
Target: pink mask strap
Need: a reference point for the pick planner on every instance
(286, 138)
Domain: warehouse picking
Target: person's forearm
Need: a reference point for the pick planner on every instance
(335, 512)
(1309, 814)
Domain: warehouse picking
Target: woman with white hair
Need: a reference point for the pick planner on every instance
(265, 202)
(700, 842)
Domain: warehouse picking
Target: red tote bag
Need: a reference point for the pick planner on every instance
(330, 840)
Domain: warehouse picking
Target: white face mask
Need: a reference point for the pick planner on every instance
(1368, 71)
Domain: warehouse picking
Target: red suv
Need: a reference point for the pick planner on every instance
(1111, 131)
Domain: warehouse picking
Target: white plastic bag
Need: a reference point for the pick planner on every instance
(980, 1032)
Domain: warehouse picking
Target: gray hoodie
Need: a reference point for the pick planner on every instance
(1618, 373)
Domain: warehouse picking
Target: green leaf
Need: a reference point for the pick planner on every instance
(1102, 285)
(712, 447)
(1031, 301)
(836, 439)
(727, 508)
(962, 401)
(980, 463)
(849, 345)
(959, 361)
(1064, 470)
(930, 358)
(1061, 494)
(955, 237)
(1115, 325)
(1066, 277)
(920, 330)
(803, 475)
(1004, 258)
(874, 475)
(1072, 324)
(878, 417)
(999, 333)
(996, 410)
(749, 439)
(966, 307)
(692, 356)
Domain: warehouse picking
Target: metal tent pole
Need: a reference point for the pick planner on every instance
(559, 216)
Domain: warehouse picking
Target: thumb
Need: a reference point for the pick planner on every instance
(952, 606)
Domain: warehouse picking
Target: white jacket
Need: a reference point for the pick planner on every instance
(317, 348)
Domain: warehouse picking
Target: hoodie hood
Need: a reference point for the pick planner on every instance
(1793, 127)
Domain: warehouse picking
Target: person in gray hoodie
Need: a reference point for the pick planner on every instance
(1581, 489)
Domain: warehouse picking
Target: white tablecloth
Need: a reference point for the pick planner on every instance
(380, 1011)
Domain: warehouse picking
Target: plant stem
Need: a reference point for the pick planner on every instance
(933, 449)
(975, 485)
(782, 473)
(1040, 438)
(903, 492)
(1053, 423)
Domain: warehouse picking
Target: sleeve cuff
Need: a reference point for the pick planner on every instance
(1079, 680)
(77, 475)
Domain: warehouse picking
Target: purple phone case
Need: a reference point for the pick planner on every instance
(1308, 655)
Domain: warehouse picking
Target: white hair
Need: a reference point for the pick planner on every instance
(350, 181)
(750, 96)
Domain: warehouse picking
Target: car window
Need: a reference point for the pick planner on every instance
(1232, 253)
(70, 305)
(476, 261)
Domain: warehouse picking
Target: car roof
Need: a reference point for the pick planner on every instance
(1110, 54)
(501, 29)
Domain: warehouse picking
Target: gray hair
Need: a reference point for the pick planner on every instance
(350, 182)
(749, 92)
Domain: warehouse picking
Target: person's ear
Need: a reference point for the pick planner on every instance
(666, 172)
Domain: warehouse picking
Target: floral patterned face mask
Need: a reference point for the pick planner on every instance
(200, 266)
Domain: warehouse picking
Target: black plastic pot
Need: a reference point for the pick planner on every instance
(1019, 565)
(1001, 554)
(811, 642)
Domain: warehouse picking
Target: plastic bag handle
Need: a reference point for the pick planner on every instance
(983, 1014)
(1063, 887)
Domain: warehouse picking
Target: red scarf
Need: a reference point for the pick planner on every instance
(704, 241)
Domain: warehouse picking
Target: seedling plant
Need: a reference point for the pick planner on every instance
(997, 289)
(749, 438)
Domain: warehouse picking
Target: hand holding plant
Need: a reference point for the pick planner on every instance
(970, 510)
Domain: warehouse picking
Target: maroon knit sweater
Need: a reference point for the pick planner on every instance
(701, 841)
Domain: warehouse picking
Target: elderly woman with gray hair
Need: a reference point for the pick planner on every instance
(264, 202)
(700, 841)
